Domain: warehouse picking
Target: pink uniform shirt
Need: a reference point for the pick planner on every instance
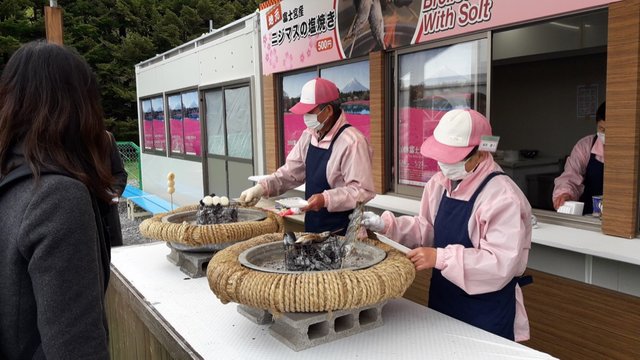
(572, 179)
(348, 170)
(499, 229)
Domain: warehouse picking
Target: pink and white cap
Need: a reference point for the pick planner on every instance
(315, 92)
(457, 133)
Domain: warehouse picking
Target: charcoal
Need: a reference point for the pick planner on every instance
(216, 214)
(314, 256)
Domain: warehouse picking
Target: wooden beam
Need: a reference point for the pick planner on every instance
(271, 126)
(377, 108)
(53, 24)
(622, 152)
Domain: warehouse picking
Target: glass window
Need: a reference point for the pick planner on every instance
(147, 128)
(176, 128)
(293, 124)
(159, 137)
(184, 123)
(238, 110)
(353, 82)
(430, 83)
(191, 123)
(216, 142)
(547, 81)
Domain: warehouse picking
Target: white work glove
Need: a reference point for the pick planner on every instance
(252, 195)
(372, 221)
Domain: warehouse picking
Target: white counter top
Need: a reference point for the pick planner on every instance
(217, 331)
(588, 242)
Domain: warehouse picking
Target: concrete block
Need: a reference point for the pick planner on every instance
(301, 331)
(193, 264)
(258, 316)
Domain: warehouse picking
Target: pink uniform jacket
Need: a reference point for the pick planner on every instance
(348, 171)
(499, 228)
(572, 179)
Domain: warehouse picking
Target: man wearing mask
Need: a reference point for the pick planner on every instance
(473, 229)
(584, 169)
(331, 156)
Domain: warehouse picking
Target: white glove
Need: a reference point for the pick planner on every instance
(252, 195)
(372, 221)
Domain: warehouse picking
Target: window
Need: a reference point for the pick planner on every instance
(238, 113)
(159, 135)
(544, 95)
(147, 119)
(430, 83)
(352, 80)
(229, 155)
(293, 125)
(184, 123)
(154, 136)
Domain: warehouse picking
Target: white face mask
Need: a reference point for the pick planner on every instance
(455, 171)
(311, 121)
(601, 136)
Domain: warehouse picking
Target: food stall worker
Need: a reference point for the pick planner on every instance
(473, 228)
(584, 169)
(333, 157)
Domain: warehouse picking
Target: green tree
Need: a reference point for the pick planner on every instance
(115, 35)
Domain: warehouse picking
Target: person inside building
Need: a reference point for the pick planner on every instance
(583, 173)
(332, 158)
(54, 260)
(473, 229)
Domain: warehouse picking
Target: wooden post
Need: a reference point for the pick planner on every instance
(621, 179)
(53, 24)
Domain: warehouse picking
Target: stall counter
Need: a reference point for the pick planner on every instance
(199, 326)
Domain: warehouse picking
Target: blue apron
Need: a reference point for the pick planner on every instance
(316, 183)
(495, 311)
(593, 181)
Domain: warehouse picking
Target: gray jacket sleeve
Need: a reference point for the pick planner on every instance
(60, 243)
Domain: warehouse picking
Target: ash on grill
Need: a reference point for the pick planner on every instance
(312, 252)
(216, 210)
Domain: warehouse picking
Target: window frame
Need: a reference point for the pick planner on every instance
(393, 153)
(280, 88)
(143, 148)
(246, 82)
(184, 155)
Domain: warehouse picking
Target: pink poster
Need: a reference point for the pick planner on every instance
(159, 134)
(192, 134)
(294, 126)
(297, 33)
(148, 134)
(415, 126)
(177, 145)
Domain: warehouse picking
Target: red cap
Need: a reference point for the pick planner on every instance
(457, 133)
(315, 92)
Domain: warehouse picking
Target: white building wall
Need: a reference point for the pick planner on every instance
(233, 56)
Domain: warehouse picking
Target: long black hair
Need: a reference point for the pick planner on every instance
(50, 106)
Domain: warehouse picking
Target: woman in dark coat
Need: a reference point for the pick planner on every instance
(53, 174)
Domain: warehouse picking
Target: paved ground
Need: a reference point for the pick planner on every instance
(130, 231)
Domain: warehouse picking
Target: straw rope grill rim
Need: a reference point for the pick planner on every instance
(312, 291)
(199, 235)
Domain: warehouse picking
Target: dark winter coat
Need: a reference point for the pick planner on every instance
(52, 271)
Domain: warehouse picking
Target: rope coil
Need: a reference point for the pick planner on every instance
(199, 235)
(310, 291)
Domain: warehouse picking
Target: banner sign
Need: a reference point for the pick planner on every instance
(297, 33)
